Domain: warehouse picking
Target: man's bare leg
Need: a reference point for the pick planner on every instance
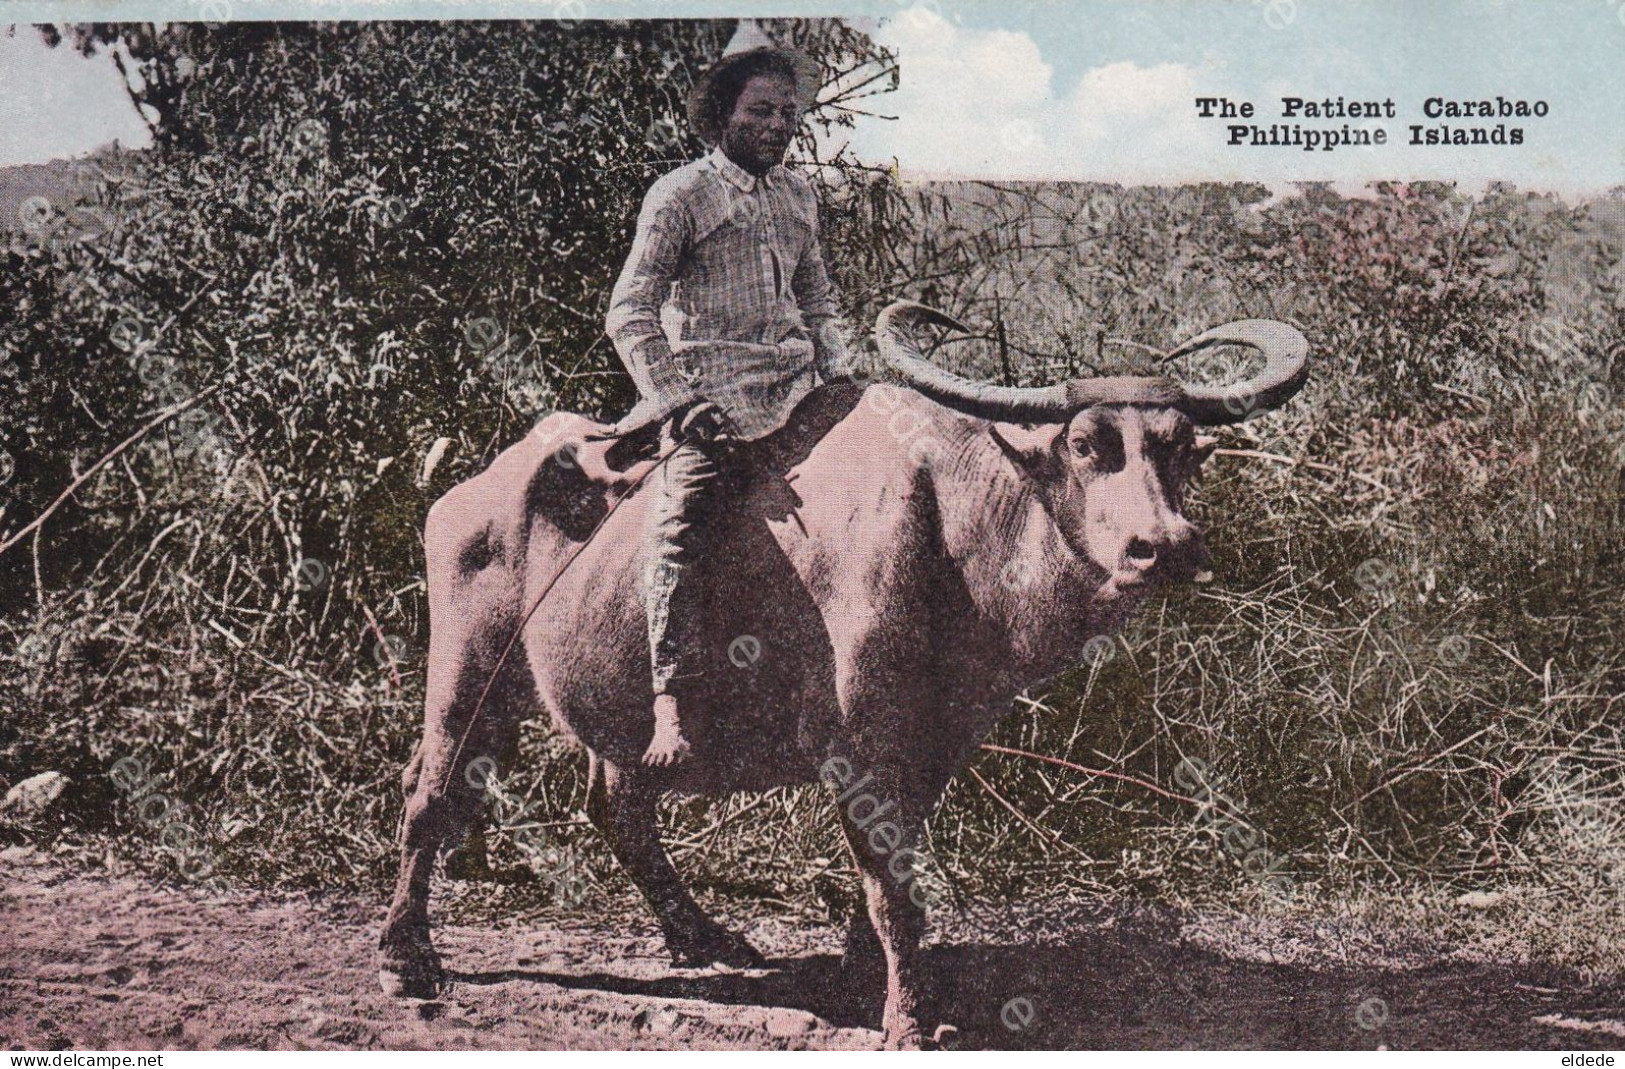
(668, 747)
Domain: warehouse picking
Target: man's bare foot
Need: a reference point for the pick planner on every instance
(668, 747)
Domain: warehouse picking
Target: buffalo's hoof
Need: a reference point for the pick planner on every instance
(414, 975)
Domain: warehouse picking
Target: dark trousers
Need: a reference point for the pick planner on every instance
(688, 490)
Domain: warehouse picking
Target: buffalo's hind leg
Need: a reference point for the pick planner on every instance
(440, 807)
(471, 620)
(408, 966)
(621, 804)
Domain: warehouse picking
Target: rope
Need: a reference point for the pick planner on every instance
(473, 717)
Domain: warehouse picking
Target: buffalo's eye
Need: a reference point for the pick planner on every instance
(1104, 449)
(1081, 446)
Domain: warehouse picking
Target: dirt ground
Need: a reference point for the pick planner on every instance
(91, 961)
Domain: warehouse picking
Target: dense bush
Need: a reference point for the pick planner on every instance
(1404, 672)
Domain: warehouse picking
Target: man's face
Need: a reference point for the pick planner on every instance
(764, 120)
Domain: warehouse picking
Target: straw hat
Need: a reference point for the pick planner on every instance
(748, 47)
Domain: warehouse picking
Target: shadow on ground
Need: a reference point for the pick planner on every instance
(1137, 989)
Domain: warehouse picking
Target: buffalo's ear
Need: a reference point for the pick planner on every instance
(1030, 449)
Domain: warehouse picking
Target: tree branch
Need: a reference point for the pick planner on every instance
(157, 421)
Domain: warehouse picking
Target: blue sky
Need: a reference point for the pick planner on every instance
(1080, 89)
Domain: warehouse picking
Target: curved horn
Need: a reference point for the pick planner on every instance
(1285, 352)
(1284, 347)
(1010, 404)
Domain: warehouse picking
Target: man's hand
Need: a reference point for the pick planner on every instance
(858, 363)
(707, 422)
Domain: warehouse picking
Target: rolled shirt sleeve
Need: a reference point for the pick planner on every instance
(633, 322)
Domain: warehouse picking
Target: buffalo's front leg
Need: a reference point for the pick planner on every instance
(883, 831)
(621, 804)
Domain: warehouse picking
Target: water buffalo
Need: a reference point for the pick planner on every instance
(898, 563)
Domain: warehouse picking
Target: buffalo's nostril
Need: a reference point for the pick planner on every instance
(1140, 553)
(1183, 556)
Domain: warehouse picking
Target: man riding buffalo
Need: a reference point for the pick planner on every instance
(725, 317)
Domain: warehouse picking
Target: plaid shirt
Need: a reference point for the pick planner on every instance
(725, 296)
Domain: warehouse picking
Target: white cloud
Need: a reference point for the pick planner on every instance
(966, 99)
(1123, 89)
(1125, 115)
(983, 103)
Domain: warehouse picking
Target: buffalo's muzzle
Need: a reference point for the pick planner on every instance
(1173, 556)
